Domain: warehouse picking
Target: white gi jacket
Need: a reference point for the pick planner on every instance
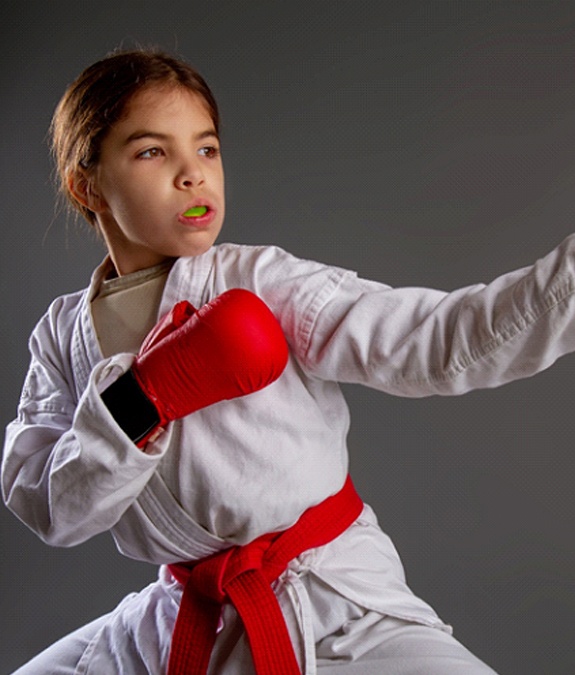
(235, 470)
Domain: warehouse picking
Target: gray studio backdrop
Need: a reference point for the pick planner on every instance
(417, 142)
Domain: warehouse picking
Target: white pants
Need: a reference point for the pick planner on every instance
(366, 643)
(402, 649)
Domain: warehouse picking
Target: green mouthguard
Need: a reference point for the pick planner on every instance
(196, 211)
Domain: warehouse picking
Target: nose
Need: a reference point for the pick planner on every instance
(189, 175)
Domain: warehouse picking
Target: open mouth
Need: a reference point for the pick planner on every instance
(196, 212)
(199, 216)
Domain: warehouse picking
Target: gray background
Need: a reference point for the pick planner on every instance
(417, 142)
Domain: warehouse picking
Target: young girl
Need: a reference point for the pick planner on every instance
(198, 447)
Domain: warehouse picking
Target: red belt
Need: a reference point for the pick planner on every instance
(242, 575)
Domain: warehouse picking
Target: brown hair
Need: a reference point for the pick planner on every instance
(98, 97)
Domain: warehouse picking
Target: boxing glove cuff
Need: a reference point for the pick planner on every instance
(130, 407)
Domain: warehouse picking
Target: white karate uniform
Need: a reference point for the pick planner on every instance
(245, 467)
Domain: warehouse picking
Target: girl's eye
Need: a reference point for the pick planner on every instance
(209, 151)
(150, 153)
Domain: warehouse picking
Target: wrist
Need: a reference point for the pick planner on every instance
(133, 411)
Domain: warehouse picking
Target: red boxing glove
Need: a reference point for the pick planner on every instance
(175, 318)
(230, 347)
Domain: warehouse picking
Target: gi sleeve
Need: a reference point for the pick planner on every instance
(416, 342)
(68, 471)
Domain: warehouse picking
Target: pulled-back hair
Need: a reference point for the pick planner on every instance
(96, 100)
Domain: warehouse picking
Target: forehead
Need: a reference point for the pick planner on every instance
(165, 106)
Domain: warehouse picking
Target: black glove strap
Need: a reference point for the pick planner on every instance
(130, 407)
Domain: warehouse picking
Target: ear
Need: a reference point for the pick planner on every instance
(82, 187)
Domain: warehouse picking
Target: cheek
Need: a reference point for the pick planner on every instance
(217, 179)
(128, 197)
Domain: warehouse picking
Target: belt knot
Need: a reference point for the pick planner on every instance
(212, 576)
(242, 575)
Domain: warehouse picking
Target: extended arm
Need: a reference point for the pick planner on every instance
(417, 342)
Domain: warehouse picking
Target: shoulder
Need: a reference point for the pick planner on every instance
(62, 308)
(278, 276)
(62, 312)
(295, 289)
(272, 263)
(250, 252)
(55, 326)
(49, 375)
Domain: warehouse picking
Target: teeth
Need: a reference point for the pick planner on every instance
(196, 211)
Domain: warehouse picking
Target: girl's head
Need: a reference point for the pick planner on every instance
(136, 142)
(97, 99)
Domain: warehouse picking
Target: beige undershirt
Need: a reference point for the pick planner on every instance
(126, 308)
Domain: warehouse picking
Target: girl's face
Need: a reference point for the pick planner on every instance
(159, 160)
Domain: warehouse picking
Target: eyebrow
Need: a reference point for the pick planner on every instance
(145, 133)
